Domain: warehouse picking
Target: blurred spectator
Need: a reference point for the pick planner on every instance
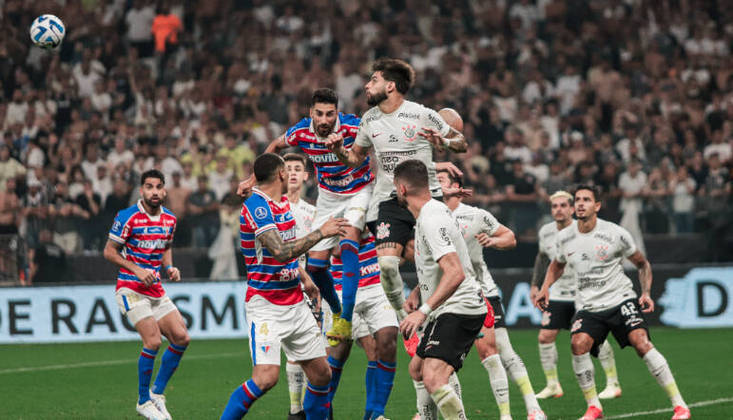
(203, 211)
(90, 225)
(35, 212)
(9, 166)
(47, 261)
(67, 219)
(682, 187)
(224, 249)
(165, 28)
(139, 20)
(522, 194)
(9, 208)
(632, 183)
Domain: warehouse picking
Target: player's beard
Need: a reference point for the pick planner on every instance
(402, 200)
(153, 204)
(377, 98)
(324, 130)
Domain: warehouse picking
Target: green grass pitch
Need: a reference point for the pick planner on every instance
(47, 381)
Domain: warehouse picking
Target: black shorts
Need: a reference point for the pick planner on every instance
(499, 315)
(450, 337)
(620, 321)
(558, 315)
(394, 223)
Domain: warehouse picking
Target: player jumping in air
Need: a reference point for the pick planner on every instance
(398, 130)
(594, 249)
(560, 310)
(140, 244)
(343, 191)
(453, 305)
(276, 311)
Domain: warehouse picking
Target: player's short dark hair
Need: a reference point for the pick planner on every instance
(413, 172)
(453, 179)
(592, 188)
(297, 157)
(266, 165)
(325, 96)
(397, 71)
(152, 173)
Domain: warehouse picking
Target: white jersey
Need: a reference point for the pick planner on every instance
(303, 213)
(395, 139)
(438, 234)
(596, 258)
(472, 221)
(565, 287)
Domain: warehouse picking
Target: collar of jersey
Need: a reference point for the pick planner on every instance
(266, 197)
(336, 127)
(152, 217)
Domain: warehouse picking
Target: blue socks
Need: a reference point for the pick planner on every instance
(318, 270)
(350, 278)
(241, 400)
(336, 368)
(144, 372)
(171, 358)
(384, 380)
(371, 383)
(316, 404)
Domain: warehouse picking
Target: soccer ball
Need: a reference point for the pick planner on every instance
(47, 31)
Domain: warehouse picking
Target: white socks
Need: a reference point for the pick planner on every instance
(605, 356)
(425, 405)
(449, 403)
(584, 372)
(659, 368)
(456, 384)
(498, 381)
(515, 367)
(389, 276)
(296, 386)
(548, 358)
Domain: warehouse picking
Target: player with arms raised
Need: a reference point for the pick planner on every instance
(453, 305)
(276, 311)
(561, 309)
(343, 191)
(398, 130)
(595, 249)
(140, 244)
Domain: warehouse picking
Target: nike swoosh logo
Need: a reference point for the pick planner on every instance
(375, 135)
(570, 253)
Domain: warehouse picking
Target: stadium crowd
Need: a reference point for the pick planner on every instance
(552, 92)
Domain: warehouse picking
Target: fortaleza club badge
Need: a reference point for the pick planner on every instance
(382, 230)
(410, 132)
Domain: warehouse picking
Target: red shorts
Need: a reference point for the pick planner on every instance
(489, 320)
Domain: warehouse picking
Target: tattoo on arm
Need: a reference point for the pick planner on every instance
(541, 262)
(457, 142)
(285, 251)
(645, 277)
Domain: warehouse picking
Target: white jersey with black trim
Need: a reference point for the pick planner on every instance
(303, 213)
(565, 287)
(596, 258)
(395, 138)
(472, 221)
(437, 234)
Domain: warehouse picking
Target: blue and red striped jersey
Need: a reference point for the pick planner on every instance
(278, 282)
(144, 238)
(368, 265)
(332, 175)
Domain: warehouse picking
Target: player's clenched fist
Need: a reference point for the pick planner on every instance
(245, 187)
(174, 274)
(334, 227)
(145, 276)
(335, 141)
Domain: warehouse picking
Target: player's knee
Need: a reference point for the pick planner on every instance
(580, 344)
(387, 343)
(641, 343)
(546, 337)
(152, 342)
(486, 348)
(266, 381)
(415, 369)
(182, 339)
(321, 377)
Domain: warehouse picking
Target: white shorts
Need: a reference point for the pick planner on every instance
(291, 327)
(351, 207)
(372, 312)
(136, 306)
